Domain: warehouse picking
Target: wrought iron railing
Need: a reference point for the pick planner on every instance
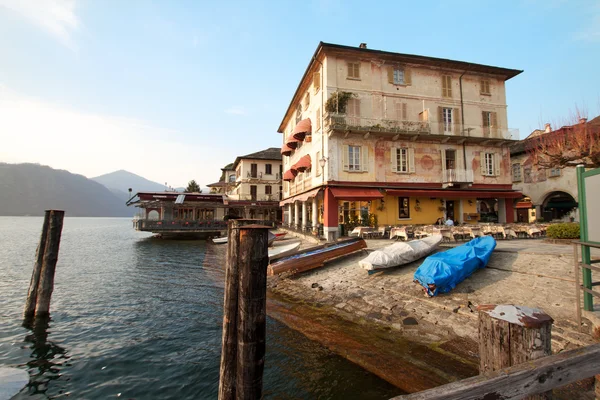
(179, 225)
(457, 175)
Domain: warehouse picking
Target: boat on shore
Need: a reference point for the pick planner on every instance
(314, 257)
(400, 253)
(283, 250)
(280, 235)
(441, 272)
(223, 239)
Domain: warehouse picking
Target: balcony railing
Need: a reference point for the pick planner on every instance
(249, 197)
(179, 225)
(457, 175)
(344, 122)
(266, 177)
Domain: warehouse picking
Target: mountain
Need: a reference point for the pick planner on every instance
(29, 189)
(120, 181)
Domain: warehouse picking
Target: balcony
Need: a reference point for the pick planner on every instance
(259, 176)
(250, 197)
(457, 176)
(343, 122)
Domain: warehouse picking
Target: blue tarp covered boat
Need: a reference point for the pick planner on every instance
(441, 272)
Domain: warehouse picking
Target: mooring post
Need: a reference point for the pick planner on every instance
(29, 309)
(46, 283)
(230, 310)
(510, 335)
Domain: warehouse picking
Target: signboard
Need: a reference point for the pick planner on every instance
(589, 211)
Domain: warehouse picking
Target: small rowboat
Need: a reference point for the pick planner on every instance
(280, 236)
(315, 257)
(282, 251)
(222, 240)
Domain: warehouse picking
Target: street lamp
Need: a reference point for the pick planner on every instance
(322, 162)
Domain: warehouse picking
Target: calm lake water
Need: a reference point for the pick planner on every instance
(140, 318)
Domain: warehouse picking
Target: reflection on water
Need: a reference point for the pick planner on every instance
(141, 317)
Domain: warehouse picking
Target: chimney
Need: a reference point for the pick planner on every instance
(548, 128)
(582, 120)
(362, 46)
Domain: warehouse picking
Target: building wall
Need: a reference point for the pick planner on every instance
(244, 169)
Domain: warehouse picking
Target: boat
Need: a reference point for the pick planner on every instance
(223, 239)
(441, 272)
(315, 257)
(400, 253)
(280, 235)
(283, 250)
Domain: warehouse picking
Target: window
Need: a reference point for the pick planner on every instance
(490, 123)
(268, 169)
(516, 172)
(306, 101)
(317, 81)
(446, 86)
(298, 113)
(401, 112)
(268, 189)
(354, 70)
(527, 176)
(403, 207)
(318, 122)
(280, 192)
(398, 76)
(447, 119)
(554, 172)
(490, 165)
(231, 178)
(353, 158)
(403, 160)
(485, 87)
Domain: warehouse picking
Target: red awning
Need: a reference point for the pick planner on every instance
(292, 142)
(302, 129)
(289, 175)
(356, 194)
(524, 204)
(286, 150)
(303, 164)
(454, 194)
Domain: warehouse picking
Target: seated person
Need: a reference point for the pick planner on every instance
(439, 221)
(449, 222)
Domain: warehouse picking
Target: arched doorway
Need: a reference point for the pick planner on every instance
(556, 205)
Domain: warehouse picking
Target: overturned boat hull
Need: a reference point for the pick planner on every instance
(400, 253)
(441, 272)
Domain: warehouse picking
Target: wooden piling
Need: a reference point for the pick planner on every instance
(29, 309)
(510, 335)
(42, 278)
(230, 310)
(252, 311)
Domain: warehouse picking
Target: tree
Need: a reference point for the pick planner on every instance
(569, 146)
(192, 187)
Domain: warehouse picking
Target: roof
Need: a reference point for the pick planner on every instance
(508, 73)
(228, 167)
(272, 153)
(216, 184)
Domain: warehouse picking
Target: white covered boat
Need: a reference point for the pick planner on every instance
(400, 253)
(283, 250)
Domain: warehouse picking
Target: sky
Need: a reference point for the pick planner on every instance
(175, 90)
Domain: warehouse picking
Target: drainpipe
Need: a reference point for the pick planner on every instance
(322, 117)
(462, 117)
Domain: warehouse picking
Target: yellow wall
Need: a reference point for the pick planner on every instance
(469, 209)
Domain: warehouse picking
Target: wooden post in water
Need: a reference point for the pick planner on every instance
(510, 335)
(252, 310)
(244, 319)
(42, 277)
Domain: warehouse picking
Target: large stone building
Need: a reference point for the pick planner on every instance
(402, 138)
(252, 185)
(549, 194)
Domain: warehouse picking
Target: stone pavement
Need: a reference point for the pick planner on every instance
(523, 272)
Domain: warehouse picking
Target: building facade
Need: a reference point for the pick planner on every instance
(401, 139)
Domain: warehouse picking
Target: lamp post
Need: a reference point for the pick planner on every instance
(322, 163)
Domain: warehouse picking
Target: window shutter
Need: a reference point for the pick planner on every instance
(365, 158)
(441, 119)
(317, 81)
(345, 157)
(390, 72)
(494, 123)
(398, 110)
(357, 107)
(456, 117)
(482, 162)
(497, 158)
(407, 77)
(394, 159)
(411, 161)
(404, 113)
(443, 159)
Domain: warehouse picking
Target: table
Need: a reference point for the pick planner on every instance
(360, 231)
(400, 232)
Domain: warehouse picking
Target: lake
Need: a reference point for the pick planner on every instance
(135, 317)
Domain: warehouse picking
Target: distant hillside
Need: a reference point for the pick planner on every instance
(121, 181)
(29, 189)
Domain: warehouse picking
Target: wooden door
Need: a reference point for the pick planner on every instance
(253, 170)
(253, 191)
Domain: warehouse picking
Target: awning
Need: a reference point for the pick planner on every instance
(289, 175)
(286, 150)
(302, 129)
(292, 142)
(300, 197)
(524, 204)
(356, 194)
(303, 164)
(455, 194)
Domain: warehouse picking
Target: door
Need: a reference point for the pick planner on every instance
(450, 209)
(253, 191)
(253, 170)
